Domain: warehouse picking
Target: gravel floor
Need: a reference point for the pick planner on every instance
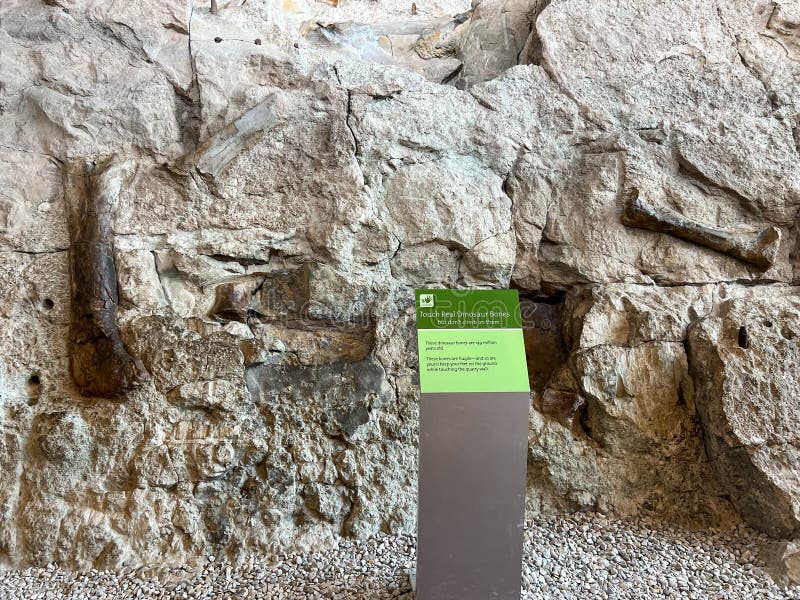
(582, 556)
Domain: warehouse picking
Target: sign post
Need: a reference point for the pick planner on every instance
(473, 444)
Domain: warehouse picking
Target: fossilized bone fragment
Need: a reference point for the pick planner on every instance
(219, 150)
(100, 363)
(234, 300)
(759, 249)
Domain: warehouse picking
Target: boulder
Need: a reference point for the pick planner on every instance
(744, 362)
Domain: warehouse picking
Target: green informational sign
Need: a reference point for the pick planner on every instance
(470, 341)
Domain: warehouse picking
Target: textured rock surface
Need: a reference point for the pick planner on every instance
(614, 426)
(292, 179)
(783, 561)
(745, 362)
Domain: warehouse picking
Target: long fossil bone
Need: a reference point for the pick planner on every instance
(100, 364)
(759, 249)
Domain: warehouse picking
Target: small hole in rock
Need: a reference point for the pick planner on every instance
(767, 323)
(258, 41)
(34, 389)
(217, 39)
(744, 339)
(48, 304)
(787, 333)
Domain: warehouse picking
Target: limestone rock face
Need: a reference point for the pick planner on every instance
(290, 176)
(744, 363)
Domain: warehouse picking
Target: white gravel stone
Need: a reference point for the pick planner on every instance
(569, 557)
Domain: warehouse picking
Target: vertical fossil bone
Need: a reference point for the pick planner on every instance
(759, 249)
(100, 364)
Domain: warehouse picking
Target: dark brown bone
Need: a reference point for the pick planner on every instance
(100, 364)
(758, 249)
(234, 301)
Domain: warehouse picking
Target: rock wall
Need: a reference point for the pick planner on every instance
(211, 226)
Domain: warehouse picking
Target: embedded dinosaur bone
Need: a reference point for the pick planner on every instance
(100, 364)
(419, 27)
(432, 54)
(759, 249)
(234, 300)
(356, 40)
(387, 28)
(219, 150)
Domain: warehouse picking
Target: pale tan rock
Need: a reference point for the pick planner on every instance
(743, 364)
(160, 32)
(630, 413)
(338, 297)
(78, 98)
(139, 283)
(216, 394)
(617, 407)
(425, 265)
(783, 561)
(32, 213)
(630, 315)
(175, 354)
(458, 192)
(490, 262)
